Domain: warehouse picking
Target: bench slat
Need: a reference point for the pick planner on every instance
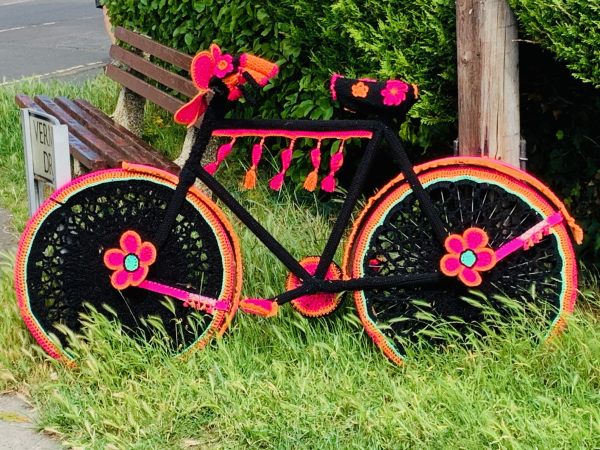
(163, 52)
(125, 147)
(157, 159)
(113, 157)
(144, 89)
(79, 150)
(163, 76)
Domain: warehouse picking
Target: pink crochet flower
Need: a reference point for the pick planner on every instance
(468, 255)
(223, 62)
(394, 92)
(130, 262)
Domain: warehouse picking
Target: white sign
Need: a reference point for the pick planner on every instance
(47, 160)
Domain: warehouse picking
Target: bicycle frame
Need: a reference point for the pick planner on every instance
(311, 284)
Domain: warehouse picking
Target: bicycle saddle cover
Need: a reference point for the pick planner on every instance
(392, 98)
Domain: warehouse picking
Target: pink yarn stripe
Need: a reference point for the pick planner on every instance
(290, 134)
(530, 237)
(205, 303)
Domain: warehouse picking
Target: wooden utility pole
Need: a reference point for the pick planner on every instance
(488, 80)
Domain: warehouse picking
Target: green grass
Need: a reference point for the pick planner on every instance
(289, 382)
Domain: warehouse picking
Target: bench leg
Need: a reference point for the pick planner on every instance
(209, 155)
(129, 111)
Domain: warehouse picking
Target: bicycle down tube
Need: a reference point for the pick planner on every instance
(372, 130)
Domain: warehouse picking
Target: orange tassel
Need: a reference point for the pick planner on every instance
(250, 179)
(310, 184)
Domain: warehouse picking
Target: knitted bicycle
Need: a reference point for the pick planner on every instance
(134, 237)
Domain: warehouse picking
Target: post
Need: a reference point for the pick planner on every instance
(488, 80)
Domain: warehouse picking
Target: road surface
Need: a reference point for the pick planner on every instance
(51, 39)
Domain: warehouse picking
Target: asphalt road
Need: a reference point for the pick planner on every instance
(51, 39)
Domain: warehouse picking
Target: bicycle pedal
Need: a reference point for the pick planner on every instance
(259, 307)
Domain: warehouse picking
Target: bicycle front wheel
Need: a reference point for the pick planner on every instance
(394, 237)
(60, 271)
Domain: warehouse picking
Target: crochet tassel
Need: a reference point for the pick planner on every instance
(222, 153)
(250, 179)
(277, 181)
(286, 159)
(310, 184)
(328, 183)
(335, 164)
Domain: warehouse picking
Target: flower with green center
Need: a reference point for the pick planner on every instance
(130, 263)
(467, 256)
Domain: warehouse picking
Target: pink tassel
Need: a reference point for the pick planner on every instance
(257, 150)
(335, 164)
(211, 167)
(222, 153)
(276, 182)
(328, 183)
(286, 159)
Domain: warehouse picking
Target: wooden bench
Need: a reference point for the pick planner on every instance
(146, 70)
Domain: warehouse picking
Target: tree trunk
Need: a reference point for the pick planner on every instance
(488, 80)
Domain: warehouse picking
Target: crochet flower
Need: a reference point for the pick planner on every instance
(468, 255)
(130, 262)
(360, 89)
(394, 92)
(223, 62)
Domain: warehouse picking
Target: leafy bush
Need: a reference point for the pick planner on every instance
(312, 39)
(570, 29)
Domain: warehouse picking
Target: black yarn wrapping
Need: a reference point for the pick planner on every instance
(65, 268)
(404, 245)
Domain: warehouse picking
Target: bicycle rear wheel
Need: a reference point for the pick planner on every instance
(393, 237)
(60, 268)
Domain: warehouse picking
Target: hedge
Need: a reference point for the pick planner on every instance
(412, 39)
(570, 29)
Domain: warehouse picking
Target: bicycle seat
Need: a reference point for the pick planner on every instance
(391, 98)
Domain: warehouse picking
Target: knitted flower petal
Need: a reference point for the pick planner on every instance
(139, 275)
(202, 69)
(486, 259)
(130, 242)
(469, 276)
(120, 279)
(113, 258)
(475, 238)
(455, 244)
(450, 265)
(147, 254)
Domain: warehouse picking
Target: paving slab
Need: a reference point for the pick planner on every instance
(8, 237)
(17, 427)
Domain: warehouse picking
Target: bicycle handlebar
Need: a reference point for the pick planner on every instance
(212, 65)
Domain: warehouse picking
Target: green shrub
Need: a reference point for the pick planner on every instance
(312, 39)
(570, 29)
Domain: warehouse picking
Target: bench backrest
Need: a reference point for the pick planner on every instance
(152, 81)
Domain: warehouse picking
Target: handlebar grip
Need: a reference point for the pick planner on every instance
(260, 69)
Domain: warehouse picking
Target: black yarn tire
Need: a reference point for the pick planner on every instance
(60, 269)
(393, 237)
